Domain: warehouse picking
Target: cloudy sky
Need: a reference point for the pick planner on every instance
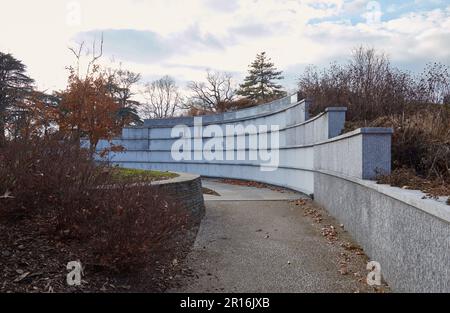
(183, 38)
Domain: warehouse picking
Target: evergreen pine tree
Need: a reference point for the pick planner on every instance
(260, 83)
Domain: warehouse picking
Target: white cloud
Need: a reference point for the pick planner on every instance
(242, 28)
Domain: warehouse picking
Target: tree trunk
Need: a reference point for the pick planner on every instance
(2, 131)
(92, 147)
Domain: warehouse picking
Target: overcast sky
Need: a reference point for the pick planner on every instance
(183, 38)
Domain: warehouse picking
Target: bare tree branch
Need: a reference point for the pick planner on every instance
(163, 99)
(209, 95)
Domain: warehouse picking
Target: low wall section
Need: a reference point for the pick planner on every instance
(185, 190)
(408, 235)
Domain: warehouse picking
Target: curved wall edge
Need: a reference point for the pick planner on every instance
(285, 121)
(408, 235)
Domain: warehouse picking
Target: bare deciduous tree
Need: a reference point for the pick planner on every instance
(368, 85)
(162, 98)
(96, 55)
(377, 94)
(434, 84)
(209, 95)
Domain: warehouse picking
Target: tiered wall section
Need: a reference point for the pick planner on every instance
(150, 147)
(408, 235)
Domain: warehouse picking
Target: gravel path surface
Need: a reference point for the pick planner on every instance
(249, 245)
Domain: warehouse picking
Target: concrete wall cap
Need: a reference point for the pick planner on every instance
(226, 117)
(359, 131)
(336, 109)
(182, 177)
(413, 198)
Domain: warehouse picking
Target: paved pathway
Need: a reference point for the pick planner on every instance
(243, 193)
(263, 244)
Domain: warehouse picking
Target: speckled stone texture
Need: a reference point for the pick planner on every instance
(412, 246)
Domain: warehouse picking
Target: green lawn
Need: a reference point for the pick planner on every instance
(127, 174)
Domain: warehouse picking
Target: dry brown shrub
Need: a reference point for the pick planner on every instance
(379, 95)
(116, 226)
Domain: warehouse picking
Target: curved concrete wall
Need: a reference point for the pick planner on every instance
(150, 146)
(408, 235)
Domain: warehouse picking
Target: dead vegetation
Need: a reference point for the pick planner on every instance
(379, 95)
(55, 208)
